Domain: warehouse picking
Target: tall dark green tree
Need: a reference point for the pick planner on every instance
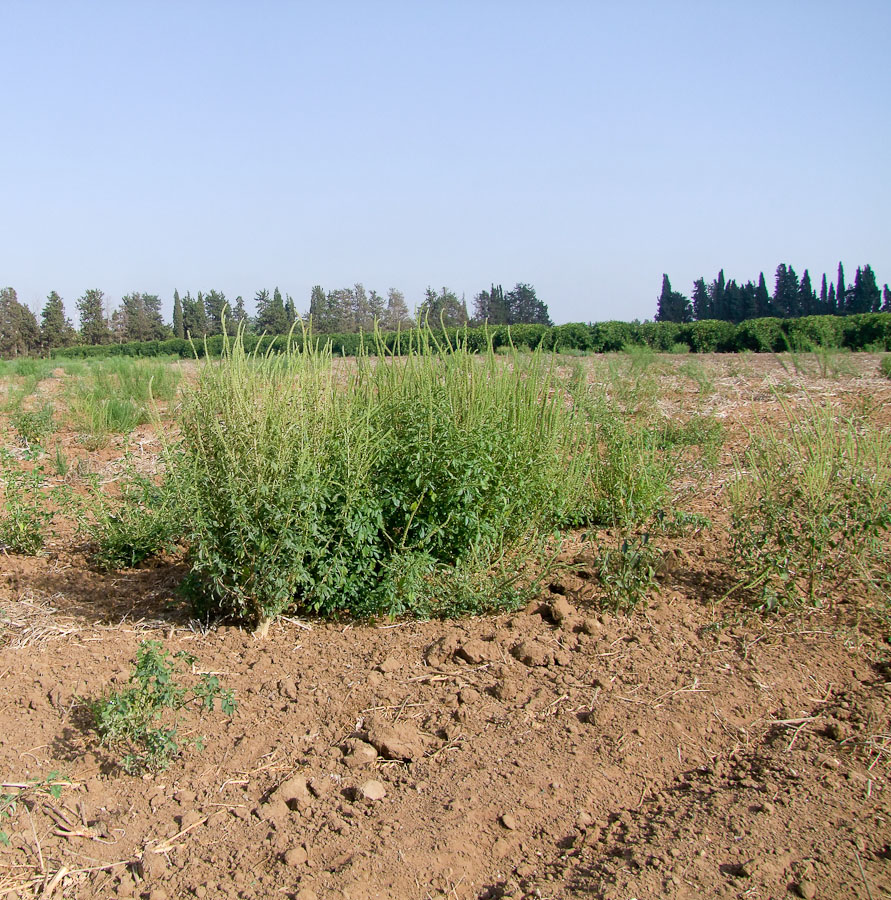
(55, 328)
(214, 307)
(748, 302)
(786, 292)
(832, 301)
(702, 304)
(823, 305)
(271, 315)
(290, 311)
(341, 311)
(865, 295)
(139, 318)
(807, 299)
(841, 292)
(672, 306)
(19, 333)
(361, 318)
(716, 296)
(886, 299)
(239, 314)
(490, 306)
(444, 308)
(318, 307)
(93, 323)
(377, 306)
(178, 329)
(524, 307)
(194, 316)
(762, 298)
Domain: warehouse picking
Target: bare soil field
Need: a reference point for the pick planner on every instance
(692, 748)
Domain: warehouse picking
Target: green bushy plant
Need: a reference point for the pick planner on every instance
(811, 506)
(885, 366)
(712, 336)
(26, 507)
(140, 722)
(364, 489)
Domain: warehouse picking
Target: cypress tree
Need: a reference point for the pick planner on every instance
(672, 306)
(841, 294)
(178, 330)
(762, 298)
(824, 298)
(748, 301)
(886, 299)
(663, 303)
(444, 308)
(807, 299)
(271, 315)
(716, 295)
(865, 296)
(701, 301)
(361, 318)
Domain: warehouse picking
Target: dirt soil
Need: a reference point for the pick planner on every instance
(690, 749)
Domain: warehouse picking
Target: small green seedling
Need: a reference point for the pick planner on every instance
(140, 721)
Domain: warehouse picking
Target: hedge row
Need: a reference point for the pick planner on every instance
(867, 331)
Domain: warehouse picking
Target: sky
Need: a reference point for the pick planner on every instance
(581, 147)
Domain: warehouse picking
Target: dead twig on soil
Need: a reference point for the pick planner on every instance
(167, 845)
(53, 883)
(862, 874)
(798, 731)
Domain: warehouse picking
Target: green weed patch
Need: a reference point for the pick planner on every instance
(373, 489)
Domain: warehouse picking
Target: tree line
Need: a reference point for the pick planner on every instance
(792, 297)
(138, 316)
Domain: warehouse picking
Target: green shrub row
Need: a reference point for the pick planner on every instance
(868, 331)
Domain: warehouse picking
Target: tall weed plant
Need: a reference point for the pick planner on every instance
(379, 487)
(811, 506)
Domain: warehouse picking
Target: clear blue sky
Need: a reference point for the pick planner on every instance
(582, 147)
